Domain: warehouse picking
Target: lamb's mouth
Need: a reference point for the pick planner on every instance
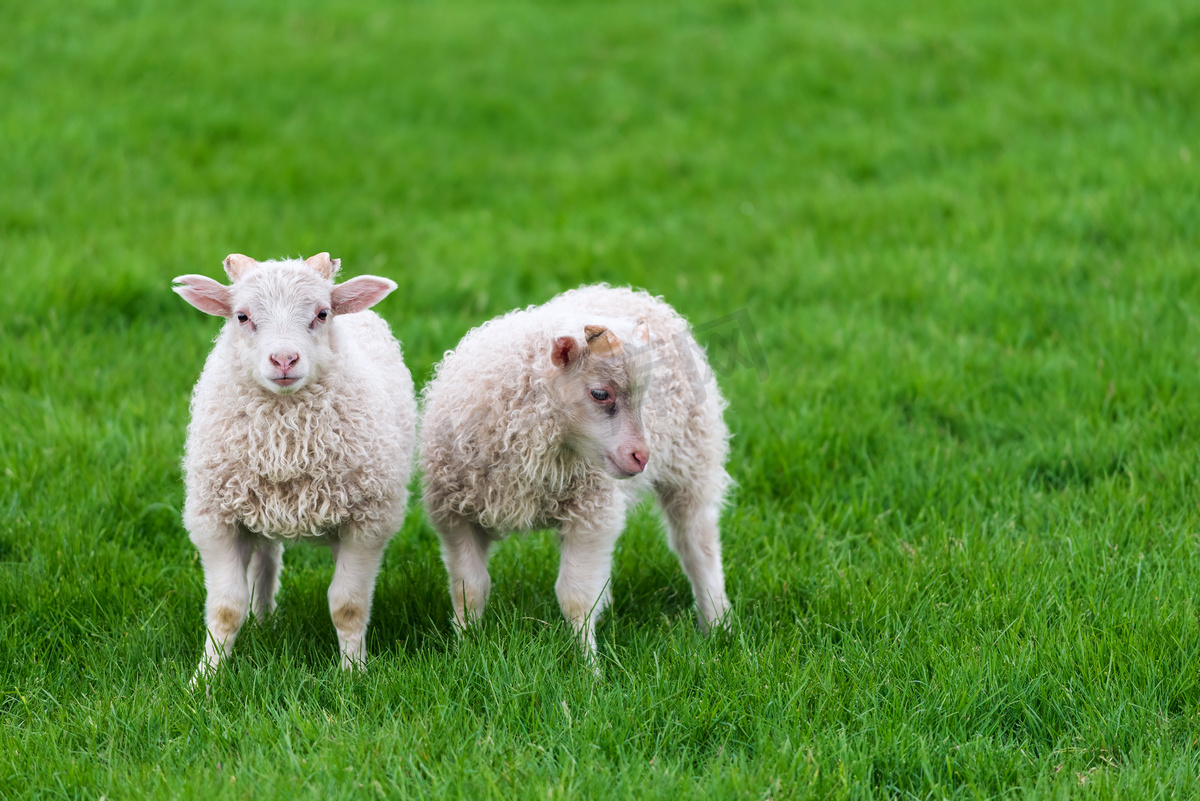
(286, 380)
(616, 470)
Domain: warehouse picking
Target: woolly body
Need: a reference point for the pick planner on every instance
(305, 464)
(497, 456)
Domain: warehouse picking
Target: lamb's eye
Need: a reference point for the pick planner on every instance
(323, 314)
(600, 395)
(242, 317)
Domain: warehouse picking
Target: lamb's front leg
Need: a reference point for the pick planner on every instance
(584, 585)
(224, 554)
(358, 559)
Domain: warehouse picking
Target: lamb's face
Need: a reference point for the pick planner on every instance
(601, 384)
(279, 314)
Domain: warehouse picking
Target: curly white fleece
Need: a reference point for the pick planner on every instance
(493, 441)
(337, 452)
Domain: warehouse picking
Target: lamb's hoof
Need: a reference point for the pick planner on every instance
(203, 676)
(464, 630)
(593, 663)
(267, 620)
(722, 622)
(591, 656)
(462, 625)
(354, 664)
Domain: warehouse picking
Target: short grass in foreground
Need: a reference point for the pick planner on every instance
(965, 546)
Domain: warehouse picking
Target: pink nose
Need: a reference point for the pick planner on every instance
(640, 458)
(284, 361)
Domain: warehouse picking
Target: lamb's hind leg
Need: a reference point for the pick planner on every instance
(224, 554)
(263, 578)
(350, 593)
(693, 535)
(465, 554)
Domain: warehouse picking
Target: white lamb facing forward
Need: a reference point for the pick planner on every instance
(303, 427)
(562, 416)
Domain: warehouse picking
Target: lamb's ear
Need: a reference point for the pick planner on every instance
(205, 294)
(641, 331)
(360, 293)
(565, 352)
(324, 266)
(602, 342)
(237, 265)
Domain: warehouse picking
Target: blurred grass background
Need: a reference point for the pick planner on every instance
(964, 548)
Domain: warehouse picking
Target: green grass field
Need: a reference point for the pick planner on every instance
(964, 550)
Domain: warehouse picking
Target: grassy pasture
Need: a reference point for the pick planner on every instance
(964, 549)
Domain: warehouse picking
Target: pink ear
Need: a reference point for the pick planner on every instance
(205, 294)
(360, 293)
(565, 352)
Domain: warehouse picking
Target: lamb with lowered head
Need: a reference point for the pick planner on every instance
(562, 416)
(303, 427)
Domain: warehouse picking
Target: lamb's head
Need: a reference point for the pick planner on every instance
(600, 380)
(279, 313)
